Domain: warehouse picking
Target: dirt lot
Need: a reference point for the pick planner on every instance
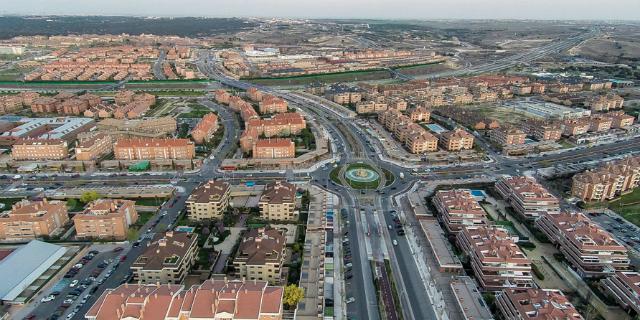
(503, 115)
(617, 49)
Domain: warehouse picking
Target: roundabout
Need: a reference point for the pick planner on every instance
(359, 176)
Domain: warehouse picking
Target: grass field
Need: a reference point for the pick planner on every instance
(628, 206)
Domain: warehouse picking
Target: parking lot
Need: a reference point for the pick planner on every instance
(626, 232)
(81, 279)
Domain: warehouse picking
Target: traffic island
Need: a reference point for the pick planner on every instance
(361, 176)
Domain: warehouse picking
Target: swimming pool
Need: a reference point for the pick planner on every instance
(478, 193)
(436, 128)
(185, 229)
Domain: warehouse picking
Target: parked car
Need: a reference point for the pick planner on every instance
(48, 298)
(73, 283)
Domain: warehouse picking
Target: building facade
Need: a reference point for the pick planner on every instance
(106, 219)
(28, 220)
(154, 149)
(167, 259)
(210, 200)
(527, 197)
(261, 255)
(278, 201)
(458, 208)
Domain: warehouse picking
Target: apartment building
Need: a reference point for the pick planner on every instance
(282, 124)
(370, 107)
(600, 123)
(543, 131)
(210, 200)
(33, 219)
(592, 251)
(206, 127)
(211, 300)
(496, 260)
(604, 102)
(624, 287)
(39, 149)
(272, 104)
(456, 140)
(620, 120)
(261, 255)
(93, 146)
(458, 208)
(421, 142)
(535, 304)
(254, 94)
(222, 96)
(608, 181)
(278, 202)
(153, 149)
(506, 136)
(167, 258)
(106, 219)
(274, 148)
(420, 114)
(527, 197)
(575, 127)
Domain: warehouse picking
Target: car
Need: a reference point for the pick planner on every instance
(351, 299)
(55, 293)
(69, 301)
(30, 317)
(123, 258)
(71, 315)
(118, 249)
(94, 252)
(48, 298)
(73, 283)
(348, 276)
(390, 227)
(395, 242)
(348, 265)
(78, 266)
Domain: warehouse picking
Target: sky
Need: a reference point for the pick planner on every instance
(374, 9)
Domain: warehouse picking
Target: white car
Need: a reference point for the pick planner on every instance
(48, 298)
(70, 315)
(68, 301)
(73, 283)
(351, 299)
(395, 242)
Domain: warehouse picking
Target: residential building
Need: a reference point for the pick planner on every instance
(535, 304)
(608, 181)
(272, 104)
(600, 123)
(543, 130)
(40, 149)
(282, 124)
(153, 149)
(604, 102)
(33, 219)
(278, 202)
(167, 259)
(506, 136)
(591, 250)
(620, 119)
(274, 148)
(458, 208)
(496, 260)
(527, 197)
(93, 146)
(624, 287)
(575, 127)
(370, 107)
(421, 142)
(261, 255)
(420, 114)
(210, 200)
(205, 129)
(456, 140)
(211, 300)
(106, 219)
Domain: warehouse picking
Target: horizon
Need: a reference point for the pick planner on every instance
(543, 10)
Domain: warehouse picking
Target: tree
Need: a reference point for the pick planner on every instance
(292, 295)
(89, 196)
(72, 203)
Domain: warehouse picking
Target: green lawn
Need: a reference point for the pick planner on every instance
(143, 217)
(150, 201)
(334, 175)
(628, 206)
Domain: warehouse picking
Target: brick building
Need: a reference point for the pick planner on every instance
(154, 149)
(210, 200)
(278, 202)
(28, 220)
(106, 219)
